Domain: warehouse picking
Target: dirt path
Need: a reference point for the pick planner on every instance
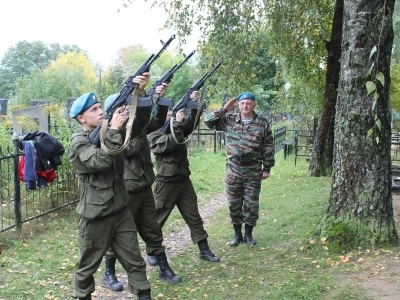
(175, 243)
(379, 273)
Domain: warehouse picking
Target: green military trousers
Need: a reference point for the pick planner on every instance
(167, 195)
(143, 209)
(144, 212)
(117, 231)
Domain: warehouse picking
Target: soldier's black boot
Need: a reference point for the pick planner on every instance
(109, 278)
(248, 235)
(238, 238)
(152, 260)
(205, 252)
(88, 297)
(166, 272)
(144, 295)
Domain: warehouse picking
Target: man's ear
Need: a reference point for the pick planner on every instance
(80, 119)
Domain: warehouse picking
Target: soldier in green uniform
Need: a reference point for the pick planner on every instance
(250, 152)
(173, 186)
(104, 220)
(139, 176)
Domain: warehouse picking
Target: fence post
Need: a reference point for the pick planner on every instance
(17, 191)
(215, 141)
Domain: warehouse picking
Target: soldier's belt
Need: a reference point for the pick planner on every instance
(239, 162)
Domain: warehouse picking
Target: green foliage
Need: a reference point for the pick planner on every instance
(262, 35)
(70, 75)
(395, 86)
(24, 58)
(132, 57)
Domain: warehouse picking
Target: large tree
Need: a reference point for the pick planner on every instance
(322, 154)
(360, 211)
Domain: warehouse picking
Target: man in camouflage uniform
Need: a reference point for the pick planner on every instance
(104, 220)
(173, 186)
(139, 176)
(250, 153)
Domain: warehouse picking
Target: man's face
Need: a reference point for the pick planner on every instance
(91, 117)
(247, 106)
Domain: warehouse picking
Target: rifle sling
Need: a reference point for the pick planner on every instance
(194, 125)
(104, 127)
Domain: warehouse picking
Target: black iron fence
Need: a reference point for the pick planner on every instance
(19, 205)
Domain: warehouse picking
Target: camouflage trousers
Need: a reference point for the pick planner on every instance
(243, 186)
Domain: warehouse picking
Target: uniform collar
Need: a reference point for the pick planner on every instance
(238, 118)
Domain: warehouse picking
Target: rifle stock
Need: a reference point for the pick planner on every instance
(127, 90)
(185, 101)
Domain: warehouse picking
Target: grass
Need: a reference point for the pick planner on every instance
(286, 263)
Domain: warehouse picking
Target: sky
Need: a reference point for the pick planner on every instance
(93, 25)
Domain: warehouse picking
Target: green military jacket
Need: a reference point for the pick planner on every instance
(139, 173)
(103, 190)
(171, 157)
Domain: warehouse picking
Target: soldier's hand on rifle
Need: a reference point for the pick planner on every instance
(195, 95)
(180, 115)
(142, 81)
(162, 89)
(118, 119)
(230, 105)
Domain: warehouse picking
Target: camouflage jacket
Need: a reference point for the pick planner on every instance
(171, 157)
(246, 144)
(103, 190)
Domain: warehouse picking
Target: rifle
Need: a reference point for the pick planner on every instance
(127, 90)
(166, 78)
(185, 101)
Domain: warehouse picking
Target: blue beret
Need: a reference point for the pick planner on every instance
(246, 95)
(109, 100)
(82, 103)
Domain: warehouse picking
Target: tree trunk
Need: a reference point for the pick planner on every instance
(360, 211)
(322, 154)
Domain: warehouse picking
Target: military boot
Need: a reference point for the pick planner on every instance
(144, 295)
(205, 252)
(238, 238)
(109, 278)
(166, 272)
(248, 235)
(152, 260)
(88, 297)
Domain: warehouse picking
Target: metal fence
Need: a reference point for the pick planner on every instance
(19, 205)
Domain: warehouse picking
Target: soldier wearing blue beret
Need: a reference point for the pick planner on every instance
(250, 152)
(139, 177)
(104, 220)
(82, 103)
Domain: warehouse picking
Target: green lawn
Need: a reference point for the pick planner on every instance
(286, 263)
